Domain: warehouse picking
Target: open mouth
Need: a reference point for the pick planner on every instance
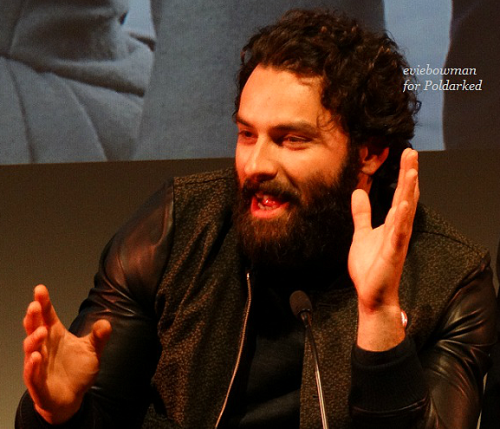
(267, 206)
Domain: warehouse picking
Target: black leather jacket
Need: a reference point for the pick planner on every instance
(432, 380)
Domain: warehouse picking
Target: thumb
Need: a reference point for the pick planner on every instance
(361, 211)
(101, 331)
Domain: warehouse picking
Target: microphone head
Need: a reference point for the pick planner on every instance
(300, 302)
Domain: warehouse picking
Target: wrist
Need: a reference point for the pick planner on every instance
(380, 329)
(61, 415)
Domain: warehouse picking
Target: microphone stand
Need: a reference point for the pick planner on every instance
(306, 319)
(302, 309)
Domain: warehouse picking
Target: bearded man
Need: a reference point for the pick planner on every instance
(193, 293)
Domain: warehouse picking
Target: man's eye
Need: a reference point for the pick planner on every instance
(245, 134)
(294, 140)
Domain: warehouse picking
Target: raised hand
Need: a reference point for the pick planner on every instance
(377, 256)
(58, 366)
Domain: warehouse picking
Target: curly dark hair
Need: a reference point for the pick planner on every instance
(361, 73)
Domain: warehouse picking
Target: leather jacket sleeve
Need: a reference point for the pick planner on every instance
(439, 386)
(130, 271)
(491, 404)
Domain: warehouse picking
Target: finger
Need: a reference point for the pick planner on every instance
(409, 161)
(401, 174)
(389, 219)
(401, 232)
(34, 342)
(28, 371)
(49, 314)
(405, 211)
(33, 317)
(407, 189)
(101, 331)
(411, 192)
(361, 211)
(31, 375)
(416, 192)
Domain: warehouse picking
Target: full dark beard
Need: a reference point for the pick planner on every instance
(316, 231)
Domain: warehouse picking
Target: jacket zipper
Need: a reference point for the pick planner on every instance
(240, 350)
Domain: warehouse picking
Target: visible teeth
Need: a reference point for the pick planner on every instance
(264, 205)
(266, 202)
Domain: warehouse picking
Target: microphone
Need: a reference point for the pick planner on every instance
(302, 309)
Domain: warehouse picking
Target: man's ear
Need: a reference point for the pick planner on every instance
(371, 157)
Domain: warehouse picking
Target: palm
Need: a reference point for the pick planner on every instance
(374, 264)
(377, 255)
(68, 366)
(59, 367)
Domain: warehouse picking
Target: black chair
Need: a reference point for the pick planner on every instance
(490, 418)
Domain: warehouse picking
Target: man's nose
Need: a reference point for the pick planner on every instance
(262, 162)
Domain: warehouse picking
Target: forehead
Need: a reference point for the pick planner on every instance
(280, 94)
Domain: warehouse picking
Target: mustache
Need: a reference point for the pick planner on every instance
(274, 188)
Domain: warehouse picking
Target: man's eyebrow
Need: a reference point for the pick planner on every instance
(295, 126)
(298, 126)
(239, 120)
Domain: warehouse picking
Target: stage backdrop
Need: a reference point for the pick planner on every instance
(91, 81)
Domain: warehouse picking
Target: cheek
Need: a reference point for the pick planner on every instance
(239, 162)
(328, 164)
(302, 169)
(312, 175)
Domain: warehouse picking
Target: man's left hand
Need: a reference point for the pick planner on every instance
(377, 257)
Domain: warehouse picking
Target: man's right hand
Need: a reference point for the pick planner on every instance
(58, 366)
